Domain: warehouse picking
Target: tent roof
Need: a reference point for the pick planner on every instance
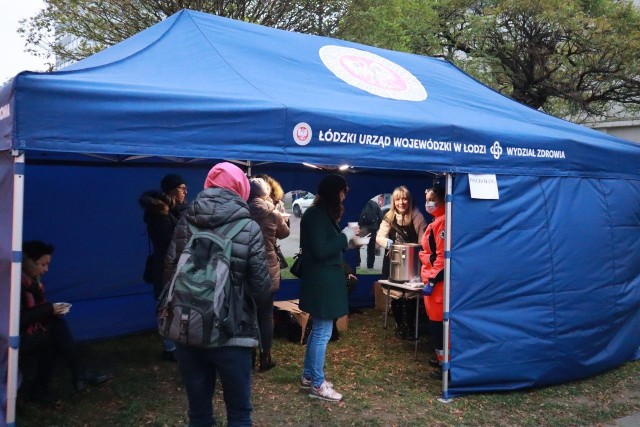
(203, 86)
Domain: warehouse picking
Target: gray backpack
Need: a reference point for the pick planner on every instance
(201, 303)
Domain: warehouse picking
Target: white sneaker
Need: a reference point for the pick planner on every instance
(325, 392)
(305, 384)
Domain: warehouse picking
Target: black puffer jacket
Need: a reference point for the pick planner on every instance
(211, 209)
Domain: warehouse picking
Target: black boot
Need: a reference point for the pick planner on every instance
(169, 356)
(254, 356)
(265, 361)
(84, 379)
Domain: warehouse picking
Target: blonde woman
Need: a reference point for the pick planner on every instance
(402, 224)
(273, 227)
(276, 194)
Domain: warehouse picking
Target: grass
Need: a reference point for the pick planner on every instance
(382, 383)
(285, 273)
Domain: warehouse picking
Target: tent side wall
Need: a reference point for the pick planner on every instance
(545, 281)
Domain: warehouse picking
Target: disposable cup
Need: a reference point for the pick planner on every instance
(65, 307)
(361, 241)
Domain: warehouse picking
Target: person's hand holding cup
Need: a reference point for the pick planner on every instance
(61, 308)
(355, 227)
(351, 231)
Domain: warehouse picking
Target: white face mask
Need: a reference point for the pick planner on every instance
(430, 207)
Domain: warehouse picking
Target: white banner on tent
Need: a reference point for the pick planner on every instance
(483, 187)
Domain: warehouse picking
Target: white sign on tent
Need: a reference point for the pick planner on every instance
(484, 187)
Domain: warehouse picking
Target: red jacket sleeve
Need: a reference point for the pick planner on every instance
(432, 254)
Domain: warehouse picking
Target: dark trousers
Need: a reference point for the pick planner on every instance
(41, 350)
(265, 324)
(437, 334)
(371, 249)
(371, 246)
(198, 369)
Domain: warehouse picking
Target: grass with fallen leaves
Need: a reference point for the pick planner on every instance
(381, 382)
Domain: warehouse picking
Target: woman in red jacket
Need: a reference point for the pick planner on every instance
(432, 271)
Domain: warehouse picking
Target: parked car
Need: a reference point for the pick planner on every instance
(387, 202)
(300, 205)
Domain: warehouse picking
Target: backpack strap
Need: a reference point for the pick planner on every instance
(231, 229)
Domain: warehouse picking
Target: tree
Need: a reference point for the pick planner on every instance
(402, 25)
(95, 25)
(566, 57)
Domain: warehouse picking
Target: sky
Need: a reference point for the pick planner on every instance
(13, 59)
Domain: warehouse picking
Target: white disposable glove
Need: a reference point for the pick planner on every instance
(349, 233)
(389, 243)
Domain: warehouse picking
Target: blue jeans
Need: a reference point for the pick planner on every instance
(198, 369)
(168, 344)
(316, 350)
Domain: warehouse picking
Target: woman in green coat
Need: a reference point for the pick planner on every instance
(323, 290)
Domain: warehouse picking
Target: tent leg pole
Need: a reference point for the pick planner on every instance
(447, 288)
(16, 274)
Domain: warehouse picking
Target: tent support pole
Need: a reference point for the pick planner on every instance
(447, 288)
(16, 274)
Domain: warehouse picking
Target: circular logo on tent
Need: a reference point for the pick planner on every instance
(302, 133)
(372, 73)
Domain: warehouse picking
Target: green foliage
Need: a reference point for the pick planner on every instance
(575, 58)
(96, 25)
(403, 25)
(567, 57)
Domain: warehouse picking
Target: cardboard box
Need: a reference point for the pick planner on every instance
(302, 317)
(380, 297)
(342, 323)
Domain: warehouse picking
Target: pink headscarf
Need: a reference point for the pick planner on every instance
(229, 176)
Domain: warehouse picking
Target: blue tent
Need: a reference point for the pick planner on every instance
(544, 281)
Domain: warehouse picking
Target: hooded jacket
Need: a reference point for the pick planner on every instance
(432, 258)
(161, 219)
(211, 209)
(273, 227)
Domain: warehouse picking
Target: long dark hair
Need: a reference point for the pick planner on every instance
(328, 195)
(333, 205)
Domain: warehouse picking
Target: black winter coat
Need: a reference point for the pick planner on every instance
(161, 220)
